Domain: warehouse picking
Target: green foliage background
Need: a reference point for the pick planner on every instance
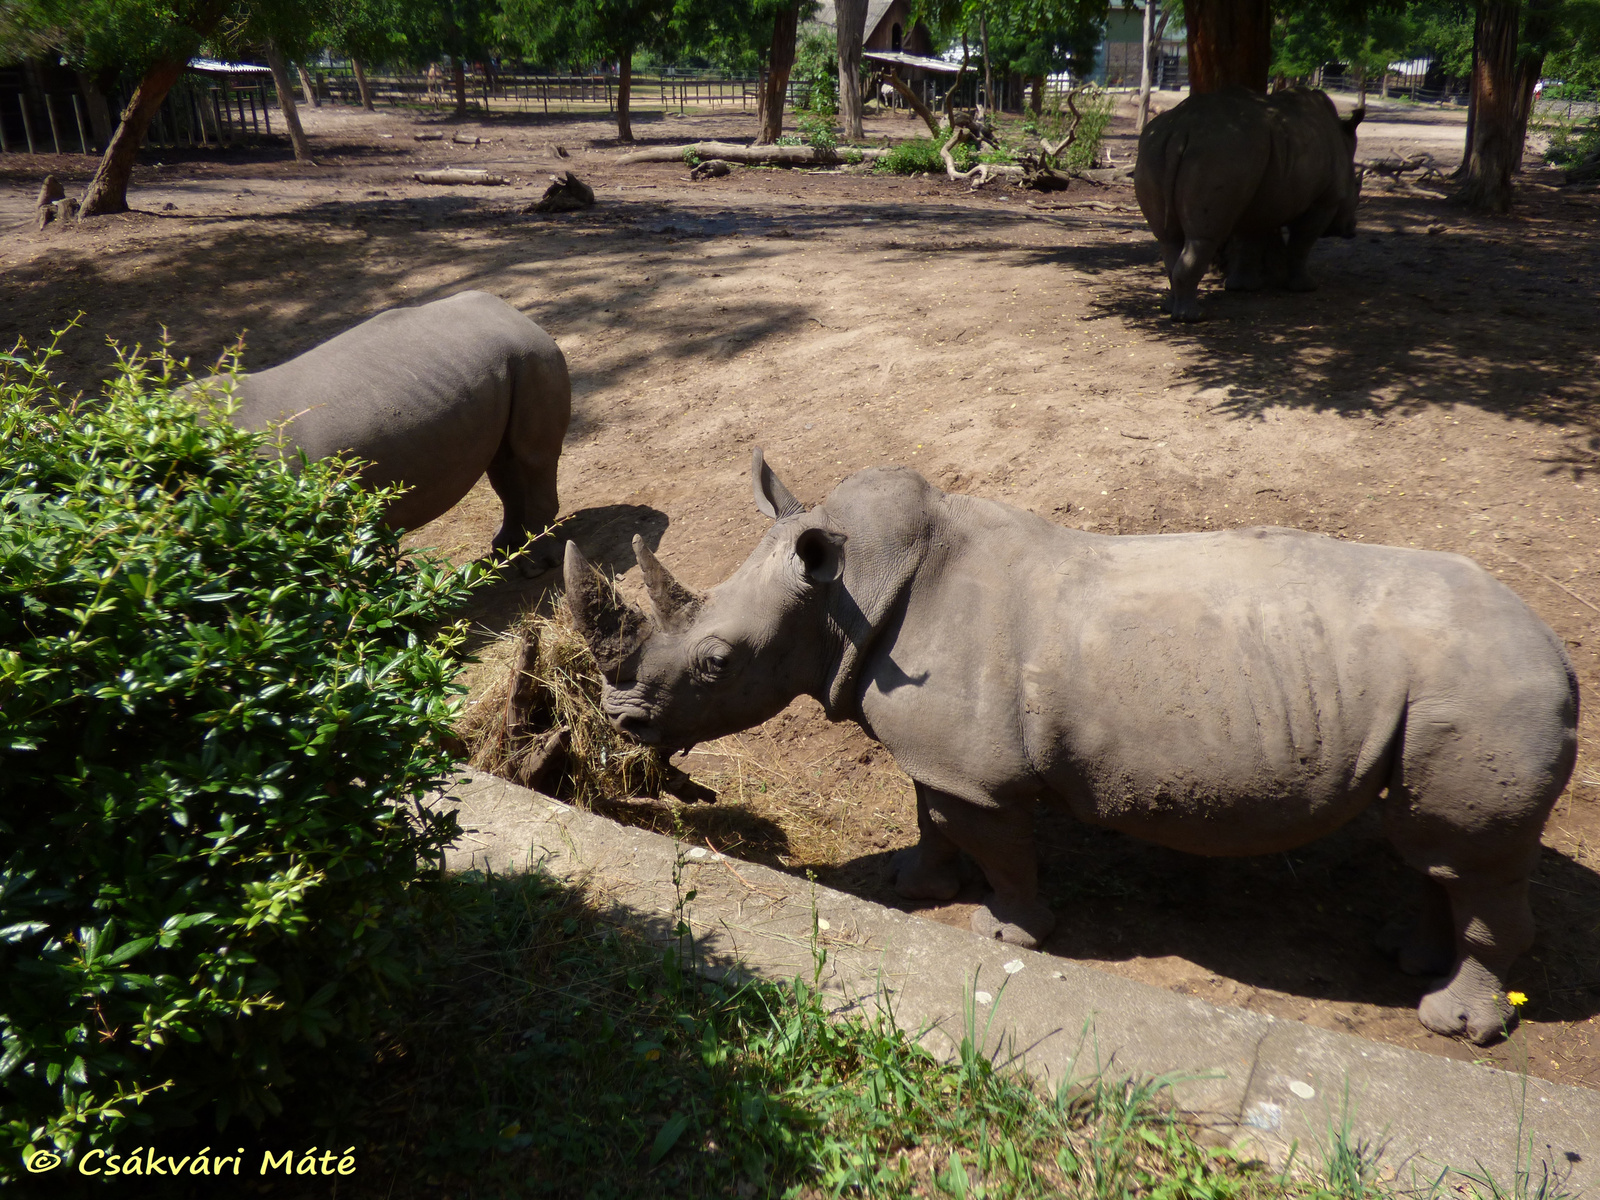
(221, 692)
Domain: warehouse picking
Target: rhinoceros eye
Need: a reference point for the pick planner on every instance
(711, 659)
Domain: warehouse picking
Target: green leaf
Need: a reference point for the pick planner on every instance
(667, 1137)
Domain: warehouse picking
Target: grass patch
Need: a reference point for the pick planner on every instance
(552, 1054)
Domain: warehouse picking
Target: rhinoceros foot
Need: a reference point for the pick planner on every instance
(918, 876)
(1016, 922)
(1185, 308)
(1471, 1005)
(1421, 946)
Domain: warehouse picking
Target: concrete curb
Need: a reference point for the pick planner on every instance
(1254, 1079)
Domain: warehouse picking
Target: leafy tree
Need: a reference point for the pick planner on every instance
(591, 30)
(152, 39)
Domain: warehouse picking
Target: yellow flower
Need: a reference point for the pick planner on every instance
(1516, 999)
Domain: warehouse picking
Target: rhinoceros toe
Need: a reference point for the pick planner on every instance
(1018, 924)
(1468, 1006)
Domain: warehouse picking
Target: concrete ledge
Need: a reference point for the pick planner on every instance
(1251, 1078)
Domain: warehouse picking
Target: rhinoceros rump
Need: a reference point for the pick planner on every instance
(1220, 693)
(1232, 170)
(431, 397)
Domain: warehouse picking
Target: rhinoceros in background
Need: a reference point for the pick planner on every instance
(1221, 693)
(1230, 171)
(431, 397)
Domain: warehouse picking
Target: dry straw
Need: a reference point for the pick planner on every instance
(541, 724)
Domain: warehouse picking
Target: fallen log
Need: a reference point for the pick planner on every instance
(459, 175)
(793, 156)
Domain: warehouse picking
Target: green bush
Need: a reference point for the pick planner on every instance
(222, 688)
(815, 74)
(918, 155)
(818, 128)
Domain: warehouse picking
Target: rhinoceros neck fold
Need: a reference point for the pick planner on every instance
(891, 515)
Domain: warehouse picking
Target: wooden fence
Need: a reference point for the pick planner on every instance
(511, 91)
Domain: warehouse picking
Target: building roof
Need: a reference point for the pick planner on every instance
(212, 66)
(828, 15)
(939, 65)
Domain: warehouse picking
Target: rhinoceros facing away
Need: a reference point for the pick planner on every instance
(1221, 693)
(1230, 171)
(432, 397)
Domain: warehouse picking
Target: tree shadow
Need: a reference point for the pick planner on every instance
(1406, 318)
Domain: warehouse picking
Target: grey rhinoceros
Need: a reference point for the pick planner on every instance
(1228, 693)
(431, 397)
(1229, 171)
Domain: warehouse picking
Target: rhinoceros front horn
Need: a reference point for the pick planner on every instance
(613, 628)
(675, 604)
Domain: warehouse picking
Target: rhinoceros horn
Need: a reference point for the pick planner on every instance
(612, 627)
(675, 604)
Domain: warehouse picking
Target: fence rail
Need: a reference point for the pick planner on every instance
(528, 92)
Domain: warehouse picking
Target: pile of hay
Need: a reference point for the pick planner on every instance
(541, 725)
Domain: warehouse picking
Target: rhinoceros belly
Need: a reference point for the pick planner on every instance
(1225, 697)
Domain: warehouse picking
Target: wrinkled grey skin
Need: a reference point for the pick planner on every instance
(432, 397)
(1234, 169)
(1230, 693)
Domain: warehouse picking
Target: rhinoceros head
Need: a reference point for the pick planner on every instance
(701, 666)
(1344, 221)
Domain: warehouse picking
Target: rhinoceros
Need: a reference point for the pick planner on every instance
(1221, 693)
(432, 397)
(1224, 173)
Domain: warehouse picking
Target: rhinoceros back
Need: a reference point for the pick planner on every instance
(423, 394)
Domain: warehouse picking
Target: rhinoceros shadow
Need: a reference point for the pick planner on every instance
(1303, 924)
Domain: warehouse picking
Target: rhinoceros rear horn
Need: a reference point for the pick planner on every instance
(613, 628)
(772, 498)
(675, 604)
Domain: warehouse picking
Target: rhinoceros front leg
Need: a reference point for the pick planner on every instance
(1185, 273)
(931, 869)
(1000, 840)
(1426, 944)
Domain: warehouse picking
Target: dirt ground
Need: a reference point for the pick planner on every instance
(1438, 391)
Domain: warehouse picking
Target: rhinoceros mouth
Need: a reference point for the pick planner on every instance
(631, 718)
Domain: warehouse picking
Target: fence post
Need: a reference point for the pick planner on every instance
(27, 125)
(77, 112)
(5, 142)
(55, 129)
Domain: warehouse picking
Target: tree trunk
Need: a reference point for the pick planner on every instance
(108, 190)
(1230, 43)
(291, 115)
(308, 88)
(793, 156)
(780, 61)
(935, 129)
(1493, 153)
(1146, 71)
(1535, 32)
(988, 71)
(361, 84)
(458, 76)
(624, 93)
(1036, 96)
(852, 28)
(99, 111)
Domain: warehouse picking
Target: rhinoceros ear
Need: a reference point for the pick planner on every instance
(772, 498)
(613, 628)
(675, 604)
(1354, 119)
(821, 553)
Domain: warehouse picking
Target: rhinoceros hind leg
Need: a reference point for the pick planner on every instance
(1494, 925)
(526, 485)
(1186, 272)
(1424, 944)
